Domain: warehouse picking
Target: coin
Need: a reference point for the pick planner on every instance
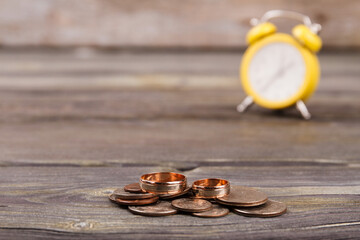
(191, 205)
(241, 196)
(120, 193)
(270, 209)
(112, 198)
(216, 211)
(170, 196)
(133, 188)
(137, 201)
(158, 209)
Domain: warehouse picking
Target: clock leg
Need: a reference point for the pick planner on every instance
(301, 107)
(245, 104)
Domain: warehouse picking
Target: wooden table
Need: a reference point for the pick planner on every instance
(75, 125)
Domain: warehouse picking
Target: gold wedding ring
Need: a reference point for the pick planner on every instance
(211, 188)
(163, 183)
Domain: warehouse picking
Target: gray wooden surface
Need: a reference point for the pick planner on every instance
(164, 24)
(75, 125)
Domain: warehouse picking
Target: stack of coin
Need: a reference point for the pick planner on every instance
(134, 197)
(165, 193)
(251, 203)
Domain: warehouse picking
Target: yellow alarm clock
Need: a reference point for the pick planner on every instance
(279, 70)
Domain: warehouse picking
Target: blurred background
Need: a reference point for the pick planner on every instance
(74, 73)
(151, 24)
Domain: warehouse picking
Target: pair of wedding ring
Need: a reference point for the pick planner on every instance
(173, 183)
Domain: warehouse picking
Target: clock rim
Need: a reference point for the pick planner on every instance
(312, 71)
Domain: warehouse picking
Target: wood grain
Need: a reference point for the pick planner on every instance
(323, 201)
(68, 140)
(163, 24)
(47, 97)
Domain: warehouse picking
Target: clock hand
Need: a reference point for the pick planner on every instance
(275, 76)
(272, 78)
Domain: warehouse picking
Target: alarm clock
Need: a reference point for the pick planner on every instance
(279, 70)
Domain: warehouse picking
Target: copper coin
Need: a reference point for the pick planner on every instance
(120, 193)
(170, 196)
(133, 188)
(112, 198)
(130, 202)
(191, 205)
(241, 196)
(269, 209)
(216, 211)
(158, 209)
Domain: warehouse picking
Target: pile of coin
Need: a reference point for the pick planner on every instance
(167, 193)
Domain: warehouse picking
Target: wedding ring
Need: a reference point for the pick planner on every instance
(163, 183)
(211, 188)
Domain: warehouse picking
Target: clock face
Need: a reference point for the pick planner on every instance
(277, 71)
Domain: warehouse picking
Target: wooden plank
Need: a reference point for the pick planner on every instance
(177, 122)
(62, 150)
(59, 70)
(59, 202)
(161, 23)
(204, 132)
